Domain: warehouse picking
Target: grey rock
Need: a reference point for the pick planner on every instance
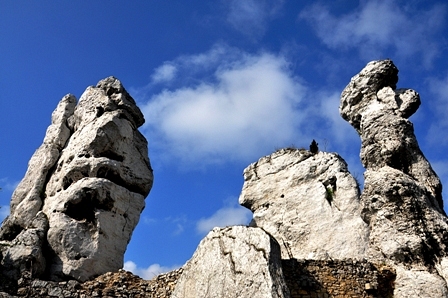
(27, 198)
(308, 202)
(88, 180)
(91, 224)
(402, 201)
(418, 283)
(235, 261)
(26, 253)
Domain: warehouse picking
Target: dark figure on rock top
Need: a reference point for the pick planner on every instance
(313, 147)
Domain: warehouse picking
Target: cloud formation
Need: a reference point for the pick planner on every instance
(164, 73)
(149, 272)
(238, 105)
(377, 26)
(229, 105)
(226, 216)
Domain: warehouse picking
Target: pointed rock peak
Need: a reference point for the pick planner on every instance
(363, 88)
(402, 197)
(108, 95)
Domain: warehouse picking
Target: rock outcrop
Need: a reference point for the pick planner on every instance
(235, 261)
(402, 197)
(308, 202)
(73, 213)
(313, 233)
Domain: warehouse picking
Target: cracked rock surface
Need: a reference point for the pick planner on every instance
(84, 189)
(308, 202)
(236, 261)
(402, 197)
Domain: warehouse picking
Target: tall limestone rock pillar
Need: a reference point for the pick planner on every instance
(402, 197)
(74, 212)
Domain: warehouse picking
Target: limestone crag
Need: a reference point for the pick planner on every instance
(308, 202)
(235, 261)
(402, 201)
(84, 189)
(313, 233)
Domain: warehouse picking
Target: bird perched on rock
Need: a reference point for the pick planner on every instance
(313, 147)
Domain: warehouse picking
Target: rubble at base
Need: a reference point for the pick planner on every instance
(304, 278)
(119, 284)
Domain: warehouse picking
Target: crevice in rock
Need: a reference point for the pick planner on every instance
(112, 175)
(11, 231)
(99, 111)
(111, 155)
(86, 205)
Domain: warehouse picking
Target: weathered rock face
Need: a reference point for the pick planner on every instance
(233, 262)
(308, 202)
(402, 200)
(312, 234)
(86, 185)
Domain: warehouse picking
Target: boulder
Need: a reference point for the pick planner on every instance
(236, 261)
(308, 202)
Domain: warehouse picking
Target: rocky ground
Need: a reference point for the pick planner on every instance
(118, 284)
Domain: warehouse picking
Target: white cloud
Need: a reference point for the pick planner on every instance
(149, 272)
(164, 73)
(247, 104)
(226, 216)
(229, 105)
(251, 16)
(378, 25)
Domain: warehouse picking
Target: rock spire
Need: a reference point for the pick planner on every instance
(73, 213)
(402, 196)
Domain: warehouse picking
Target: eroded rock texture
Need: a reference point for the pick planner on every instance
(308, 202)
(402, 201)
(73, 214)
(236, 261)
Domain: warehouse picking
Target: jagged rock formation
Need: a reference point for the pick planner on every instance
(308, 202)
(234, 262)
(402, 201)
(313, 233)
(73, 213)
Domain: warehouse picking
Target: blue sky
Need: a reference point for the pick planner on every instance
(221, 84)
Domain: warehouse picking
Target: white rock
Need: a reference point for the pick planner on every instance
(25, 253)
(89, 179)
(402, 196)
(27, 198)
(96, 194)
(237, 261)
(418, 283)
(309, 203)
(91, 223)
